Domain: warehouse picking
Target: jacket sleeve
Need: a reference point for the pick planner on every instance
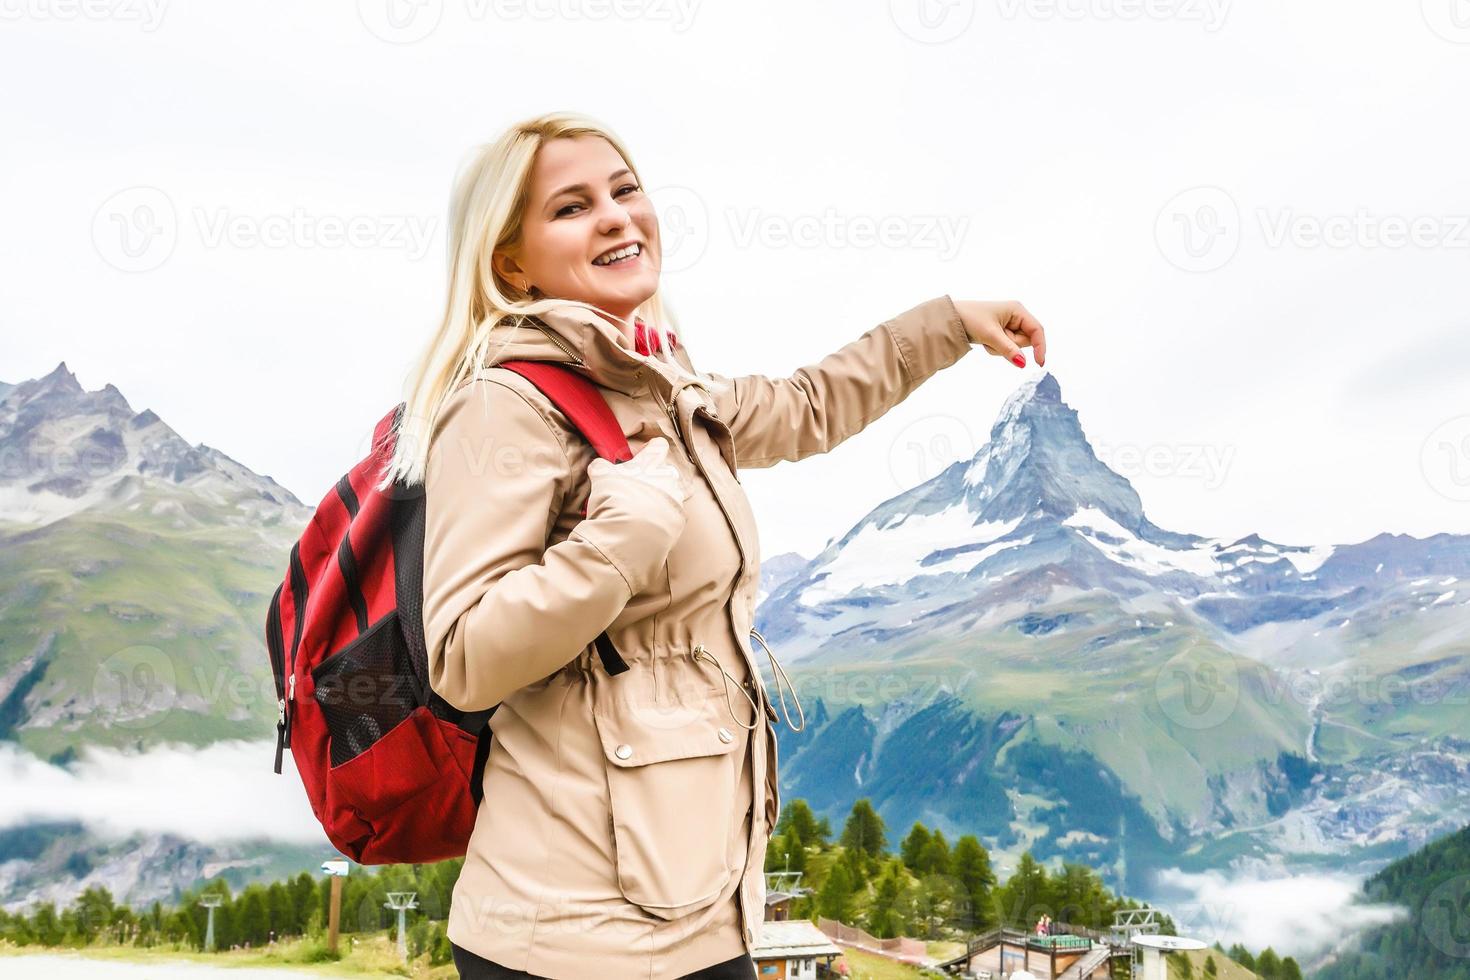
(501, 609)
(772, 420)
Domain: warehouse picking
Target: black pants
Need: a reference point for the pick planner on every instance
(474, 967)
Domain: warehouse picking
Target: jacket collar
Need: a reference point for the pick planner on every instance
(588, 344)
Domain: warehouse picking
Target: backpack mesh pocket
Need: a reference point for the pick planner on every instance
(366, 689)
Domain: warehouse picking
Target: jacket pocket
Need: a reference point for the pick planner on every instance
(671, 792)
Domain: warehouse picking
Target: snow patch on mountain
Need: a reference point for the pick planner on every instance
(1126, 548)
(892, 552)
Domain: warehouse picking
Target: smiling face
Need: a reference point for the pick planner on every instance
(583, 201)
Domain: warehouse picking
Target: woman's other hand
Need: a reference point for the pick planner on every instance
(1003, 327)
(649, 466)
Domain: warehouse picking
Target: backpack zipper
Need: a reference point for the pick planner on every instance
(298, 602)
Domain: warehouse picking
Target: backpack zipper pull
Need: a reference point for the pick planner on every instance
(286, 711)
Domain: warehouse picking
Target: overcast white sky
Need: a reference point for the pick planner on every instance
(1205, 202)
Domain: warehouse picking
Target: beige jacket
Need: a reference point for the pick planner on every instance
(625, 817)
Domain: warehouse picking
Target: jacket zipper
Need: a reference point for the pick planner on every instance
(671, 408)
(551, 335)
(740, 644)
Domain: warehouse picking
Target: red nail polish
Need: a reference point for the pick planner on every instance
(1018, 360)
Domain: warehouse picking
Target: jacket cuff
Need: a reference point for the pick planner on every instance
(930, 337)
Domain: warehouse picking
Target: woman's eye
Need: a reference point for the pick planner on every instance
(626, 187)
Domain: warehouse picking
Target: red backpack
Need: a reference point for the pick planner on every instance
(393, 772)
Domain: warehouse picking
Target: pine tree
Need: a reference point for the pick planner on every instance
(1243, 956)
(884, 920)
(1024, 892)
(785, 853)
(279, 910)
(934, 858)
(864, 830)
(254, 918)
(970, 864)
(303, 902)
(834, 899)
(858, 866)
(797, 816)
(1079, 896)
(912, 849)
(46, 924)
(94, 912)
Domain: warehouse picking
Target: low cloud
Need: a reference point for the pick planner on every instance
(1295, 914)
(228, 790)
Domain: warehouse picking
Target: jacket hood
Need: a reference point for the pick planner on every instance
(588, 343)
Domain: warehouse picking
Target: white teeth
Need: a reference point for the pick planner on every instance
(614, 256)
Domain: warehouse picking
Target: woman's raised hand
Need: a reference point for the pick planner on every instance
(1003, 327)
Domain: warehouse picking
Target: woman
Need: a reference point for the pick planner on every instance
(626, 811)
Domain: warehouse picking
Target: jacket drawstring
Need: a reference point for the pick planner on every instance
(700, 653)
(779, 673)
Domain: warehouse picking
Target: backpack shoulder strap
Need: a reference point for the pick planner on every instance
(580, 400)
(582, 403)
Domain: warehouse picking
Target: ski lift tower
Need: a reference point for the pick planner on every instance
(1128, 923)
(1156, 950)
(210, 901)
(401, 902)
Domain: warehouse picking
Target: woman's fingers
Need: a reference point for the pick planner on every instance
(1003, 328)
(1028, 327)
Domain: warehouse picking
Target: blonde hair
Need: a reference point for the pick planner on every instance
(486, 212)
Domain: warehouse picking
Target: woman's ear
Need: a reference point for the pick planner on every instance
(509, 270)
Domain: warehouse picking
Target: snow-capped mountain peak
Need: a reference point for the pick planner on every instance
(66, 450)
(1035, 511)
